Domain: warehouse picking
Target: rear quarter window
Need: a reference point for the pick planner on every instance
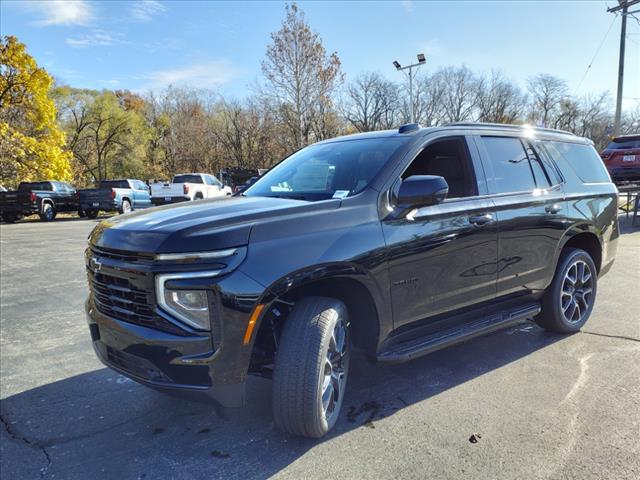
(583, 159)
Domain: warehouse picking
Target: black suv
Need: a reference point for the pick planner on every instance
(396, 243)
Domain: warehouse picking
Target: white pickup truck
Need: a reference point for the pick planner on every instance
(188, 186)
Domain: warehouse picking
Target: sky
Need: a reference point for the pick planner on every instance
(147, 45)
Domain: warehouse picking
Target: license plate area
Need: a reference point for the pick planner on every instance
(628, 158)
(95, 204)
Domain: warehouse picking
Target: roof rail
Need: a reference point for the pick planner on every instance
(507, 126)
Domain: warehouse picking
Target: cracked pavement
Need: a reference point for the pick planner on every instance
(536, 405)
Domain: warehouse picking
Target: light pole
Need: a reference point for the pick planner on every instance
(421, 61)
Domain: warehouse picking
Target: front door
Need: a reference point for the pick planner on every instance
(443, 257)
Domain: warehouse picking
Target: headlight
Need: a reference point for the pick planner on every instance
(190, 306)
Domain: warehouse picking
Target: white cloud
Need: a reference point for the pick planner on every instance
(61, 12)
(201, 75)
(98, 38)
(408, 5)
(145, 10)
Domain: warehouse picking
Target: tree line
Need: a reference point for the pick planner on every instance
(303, 96)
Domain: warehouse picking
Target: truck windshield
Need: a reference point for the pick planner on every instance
(329, 170)
(187, 179)
(114, 184)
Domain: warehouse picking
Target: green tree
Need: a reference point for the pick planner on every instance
(107, 139)
(31, 144)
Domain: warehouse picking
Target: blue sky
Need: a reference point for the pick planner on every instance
(147, 44)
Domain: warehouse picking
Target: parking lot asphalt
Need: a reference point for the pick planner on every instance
(520, 403)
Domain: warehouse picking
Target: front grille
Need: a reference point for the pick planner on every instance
(119, 298)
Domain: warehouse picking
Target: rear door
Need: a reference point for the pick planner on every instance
(527, 192)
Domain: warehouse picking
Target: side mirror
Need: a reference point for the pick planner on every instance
(421, 191)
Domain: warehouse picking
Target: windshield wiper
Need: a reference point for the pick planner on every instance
(293, 196)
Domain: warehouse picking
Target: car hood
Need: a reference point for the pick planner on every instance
(197, 226)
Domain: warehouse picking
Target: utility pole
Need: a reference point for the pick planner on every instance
(421, 61)
(623, 6)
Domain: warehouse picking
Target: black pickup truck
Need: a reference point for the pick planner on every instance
(43, 198)
(396, 243)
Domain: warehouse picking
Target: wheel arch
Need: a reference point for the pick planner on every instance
(586, 238)
(345, 282)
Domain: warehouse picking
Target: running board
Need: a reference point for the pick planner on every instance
(417, 347)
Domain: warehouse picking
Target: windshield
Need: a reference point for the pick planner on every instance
(329, 170)
(187, 179)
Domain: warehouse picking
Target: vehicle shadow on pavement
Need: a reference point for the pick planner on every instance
(102, 425)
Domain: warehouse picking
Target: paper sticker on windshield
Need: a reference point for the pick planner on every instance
(341, 193)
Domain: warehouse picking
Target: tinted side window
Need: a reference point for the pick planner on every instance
(544, 156)
(539, 174)
(448, 158)
(583, 159)
(511, 170)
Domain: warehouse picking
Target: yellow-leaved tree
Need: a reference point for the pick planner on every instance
(32, 146)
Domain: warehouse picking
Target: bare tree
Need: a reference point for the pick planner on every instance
(299, 72)
(372, 102)
(499, 100)
(459, 96)
(547, 93)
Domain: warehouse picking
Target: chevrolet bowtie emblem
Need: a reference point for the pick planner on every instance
(94, 264)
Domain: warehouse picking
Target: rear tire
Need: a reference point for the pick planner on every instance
(48, 213)
(311, 367)
(126, 206)
(92, 214)
(568, 301)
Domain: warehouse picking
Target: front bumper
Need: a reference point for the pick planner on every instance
(199, 365)
(154, 359)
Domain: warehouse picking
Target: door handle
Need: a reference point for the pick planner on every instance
(553, 209)
(480, 220)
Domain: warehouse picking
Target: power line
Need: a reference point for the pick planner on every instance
(596, 54)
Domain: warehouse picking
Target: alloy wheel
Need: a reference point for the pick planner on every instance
(577, 291)
(335, 366)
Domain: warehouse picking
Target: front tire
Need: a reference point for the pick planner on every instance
(568, 301)
(311, 367)
(48, 213)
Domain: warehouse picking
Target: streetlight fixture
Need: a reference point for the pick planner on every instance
(421, 61)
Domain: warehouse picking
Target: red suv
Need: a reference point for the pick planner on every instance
(622, 158)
